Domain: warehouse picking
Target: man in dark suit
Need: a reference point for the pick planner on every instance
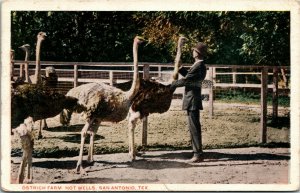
(192, 102)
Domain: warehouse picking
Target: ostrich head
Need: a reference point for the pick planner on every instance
(25, 47)
(41, 36)
(136, 81)
(139, 40)
(29, 123)
(182, 40)
(50, 70)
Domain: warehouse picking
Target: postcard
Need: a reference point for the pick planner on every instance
(194, 95)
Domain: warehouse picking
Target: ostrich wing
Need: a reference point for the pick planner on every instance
(101, 101)
(153, 98)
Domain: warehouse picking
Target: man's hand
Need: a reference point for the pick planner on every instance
(173, 85)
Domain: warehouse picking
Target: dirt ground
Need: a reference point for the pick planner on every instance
(164, 162)
(221, 166)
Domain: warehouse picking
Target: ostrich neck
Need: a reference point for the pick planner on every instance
(176, 64)
(136, 81)
(37, 74)
(26, 65)
(26, 55)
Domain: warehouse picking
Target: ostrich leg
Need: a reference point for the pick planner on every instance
(43, 125)
(88, 124)
(29, 163)
(20, 178)
(133, 118)
(27, 146)
(93, 131)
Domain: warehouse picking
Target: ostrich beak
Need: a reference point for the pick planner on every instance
(141, 40)
(184, 38)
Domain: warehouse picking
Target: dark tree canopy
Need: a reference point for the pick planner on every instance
(232, 37)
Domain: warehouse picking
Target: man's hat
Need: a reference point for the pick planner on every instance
(201, 48)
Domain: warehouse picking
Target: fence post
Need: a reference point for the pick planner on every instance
(112, 81)
(146, 76)
(263, 103)
(234, 75)
(159, 72)
(211, 94)
(75, 75)
(275, 95)
(12, 57)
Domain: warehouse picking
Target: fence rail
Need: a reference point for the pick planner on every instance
(83, 72)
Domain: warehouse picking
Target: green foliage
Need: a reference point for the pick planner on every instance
(232, 37)
(248, 97)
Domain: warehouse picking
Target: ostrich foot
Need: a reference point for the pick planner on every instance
(132, 157)
(90, 160)
(79, 170)
(28, 181)
(45, 127)
(20, 181)
(40, 136)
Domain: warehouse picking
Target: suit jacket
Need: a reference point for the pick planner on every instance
(192, 82)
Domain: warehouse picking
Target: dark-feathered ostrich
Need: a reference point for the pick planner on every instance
(32, 102)
(100, 102)
(152, 97)
(48, 80)
(35, 102)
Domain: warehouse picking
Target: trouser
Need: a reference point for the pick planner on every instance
(195, 131)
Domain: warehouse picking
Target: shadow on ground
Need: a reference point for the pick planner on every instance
(215, 156)
(107, 181)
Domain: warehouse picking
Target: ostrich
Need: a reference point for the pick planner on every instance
(36, 79)
(152, 97)
(100, 102)
(36, 102)
(31, 102)
(50, 80)
(24, 67)
(27, 140)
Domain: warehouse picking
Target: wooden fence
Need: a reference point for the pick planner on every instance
(72, 74)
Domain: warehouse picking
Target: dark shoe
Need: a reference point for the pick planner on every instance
(195, 159)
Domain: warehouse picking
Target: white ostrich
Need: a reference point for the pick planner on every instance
(152, 97)
(25, 131)
(101, 102)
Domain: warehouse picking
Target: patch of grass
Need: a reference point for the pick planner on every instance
(240, 96)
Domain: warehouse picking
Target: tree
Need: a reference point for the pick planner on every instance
(232, 37)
